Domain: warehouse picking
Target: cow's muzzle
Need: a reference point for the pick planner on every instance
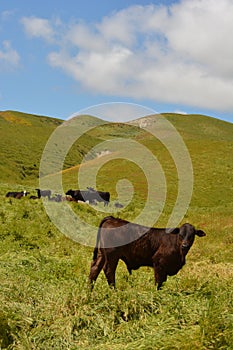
(185, 245)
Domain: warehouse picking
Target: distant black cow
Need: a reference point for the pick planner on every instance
(75, 194)
(33, 197)
(103, 197)
(118, 205)
(70, 199)
(164, 250)
(90, 195)
(17, 195)
(57, 198)
(43, 193)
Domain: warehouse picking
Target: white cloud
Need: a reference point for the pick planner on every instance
(177, 54)
(202, 32)
(9, 58)
(38, 27)
(5, 15)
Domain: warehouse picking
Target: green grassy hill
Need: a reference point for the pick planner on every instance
(22, 141)
(44, 295)
(209, 141)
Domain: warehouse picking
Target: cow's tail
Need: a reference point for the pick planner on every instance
(95, 252)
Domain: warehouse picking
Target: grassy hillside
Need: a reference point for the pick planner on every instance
(44, 296)
(209, 142)
(22, 141)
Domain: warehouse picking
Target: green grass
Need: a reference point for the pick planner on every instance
(46, 302)
(44, 295)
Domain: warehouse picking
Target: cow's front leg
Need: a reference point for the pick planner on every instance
(160, 276)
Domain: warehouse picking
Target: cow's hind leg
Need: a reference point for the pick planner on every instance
(96, 267)
(110, 271)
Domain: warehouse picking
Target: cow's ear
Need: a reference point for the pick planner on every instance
(200, 233)
(174, 231)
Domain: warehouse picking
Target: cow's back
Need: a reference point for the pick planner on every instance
(129, 241)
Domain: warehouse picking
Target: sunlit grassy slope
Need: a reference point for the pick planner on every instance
(22, 141)
(44, 296)
(209, 141)
(210, 145)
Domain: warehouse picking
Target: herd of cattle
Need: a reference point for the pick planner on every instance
(90, 195)
(136, 245)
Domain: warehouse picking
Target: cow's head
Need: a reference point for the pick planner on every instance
(187, 234)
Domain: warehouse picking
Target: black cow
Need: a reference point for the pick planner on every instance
(17, 195)
(103, 197)
(33, 197)
(164, 250)
(90, 195)
(118, 205)
(43, 193)
(57, 198)
(75, 194)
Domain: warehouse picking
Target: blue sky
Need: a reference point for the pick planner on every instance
(58, 57)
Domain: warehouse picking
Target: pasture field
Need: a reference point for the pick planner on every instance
(45, 299)
(46, 302)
